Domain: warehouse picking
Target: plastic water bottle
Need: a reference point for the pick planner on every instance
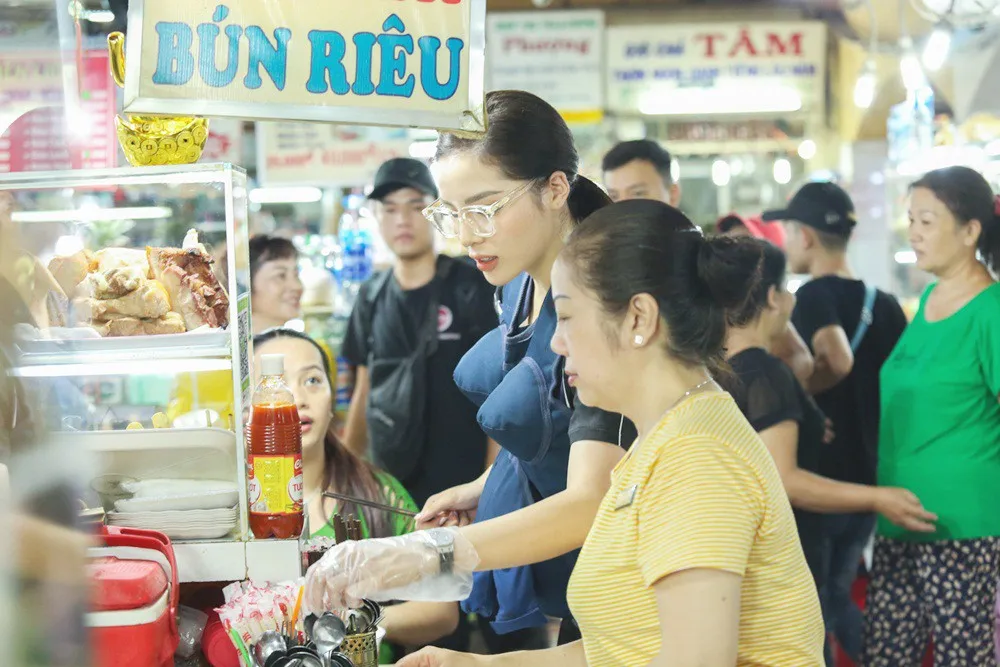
(356, 248)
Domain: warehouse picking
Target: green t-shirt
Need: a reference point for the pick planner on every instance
(393, 494)
(939, 433)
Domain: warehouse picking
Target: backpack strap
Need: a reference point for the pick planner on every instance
(867, 317)
(375, 287)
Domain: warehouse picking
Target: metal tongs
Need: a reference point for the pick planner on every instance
(369, 503)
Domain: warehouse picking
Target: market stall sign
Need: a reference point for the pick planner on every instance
(39, 131)
(716, 68)
(325, 155)
(557, 55)
(383, 62)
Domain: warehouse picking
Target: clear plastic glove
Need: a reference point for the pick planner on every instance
(408, 567)
(452, 507)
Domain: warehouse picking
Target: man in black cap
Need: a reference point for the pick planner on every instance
(429, 301)
(851, 328)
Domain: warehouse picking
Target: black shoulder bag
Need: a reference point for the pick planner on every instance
(397, 399)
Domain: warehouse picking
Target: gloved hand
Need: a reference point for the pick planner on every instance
(408, 567)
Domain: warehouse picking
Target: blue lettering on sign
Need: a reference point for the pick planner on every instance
(636, 50)
(429, 47)
(668, 49)
(630, 75)
(364, 46)
(176, 63)
(327, 70)
(394, 81)
(208, 35)
(274, 59)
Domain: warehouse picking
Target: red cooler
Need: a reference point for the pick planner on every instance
(133, 617)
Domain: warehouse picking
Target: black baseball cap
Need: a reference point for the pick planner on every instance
(403, 172)
(825, 207)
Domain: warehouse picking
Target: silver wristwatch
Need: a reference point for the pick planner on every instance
(444, 541)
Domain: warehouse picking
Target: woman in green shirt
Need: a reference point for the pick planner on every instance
(940, 437)
(327, 465)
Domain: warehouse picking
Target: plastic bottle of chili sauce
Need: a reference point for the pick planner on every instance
(274, 456)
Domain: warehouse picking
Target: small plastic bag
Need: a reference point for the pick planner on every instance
(190, 626)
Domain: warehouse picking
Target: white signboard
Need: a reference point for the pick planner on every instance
(325, 155)
(716, 68)
(225, 142)
(557, 55)
(414, 63)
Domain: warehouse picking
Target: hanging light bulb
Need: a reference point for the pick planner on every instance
(721, 173)
(864, 88)
(937, 48)
(909, 67)
(782, 171)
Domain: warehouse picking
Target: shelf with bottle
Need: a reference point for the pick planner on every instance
(155, 211)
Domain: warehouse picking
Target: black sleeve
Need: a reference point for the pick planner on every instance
(484, 311)
(587, 423)
(355, 348)
(771, 396)
(815, 308)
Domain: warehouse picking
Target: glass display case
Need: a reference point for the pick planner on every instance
(138, 280)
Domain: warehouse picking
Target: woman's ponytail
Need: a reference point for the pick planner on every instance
(586, 197)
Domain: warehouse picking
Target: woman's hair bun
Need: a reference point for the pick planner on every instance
(728, 269)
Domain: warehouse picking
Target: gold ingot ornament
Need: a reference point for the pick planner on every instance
(154, 140)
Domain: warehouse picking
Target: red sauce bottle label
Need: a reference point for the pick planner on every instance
(275, 484)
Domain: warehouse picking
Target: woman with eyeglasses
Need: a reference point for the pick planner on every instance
(511, 197)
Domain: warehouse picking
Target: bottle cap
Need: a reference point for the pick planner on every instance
(272, 364)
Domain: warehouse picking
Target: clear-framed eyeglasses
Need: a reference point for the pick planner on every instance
(479, 218)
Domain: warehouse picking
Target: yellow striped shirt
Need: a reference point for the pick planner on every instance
(707, 495)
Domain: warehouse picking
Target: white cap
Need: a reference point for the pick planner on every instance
(272, 364)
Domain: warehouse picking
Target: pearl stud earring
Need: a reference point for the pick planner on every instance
(638, 340)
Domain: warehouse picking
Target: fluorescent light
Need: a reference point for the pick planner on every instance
(720, 173)
(286, 195)
(939, 157)
(782, 171)
(728, 99)
(906, 257)
(936, 49)
(67, 245)
(865, 86)
(807, 149)
(909, 67)
(148, 367)
(99, 16)
(91, 214)
(423, 150)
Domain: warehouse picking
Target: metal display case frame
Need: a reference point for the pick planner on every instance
(239, 556)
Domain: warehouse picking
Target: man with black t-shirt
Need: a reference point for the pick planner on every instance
(851, 328)
(390, 317)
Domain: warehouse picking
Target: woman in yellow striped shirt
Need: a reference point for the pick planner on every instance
(693, 558)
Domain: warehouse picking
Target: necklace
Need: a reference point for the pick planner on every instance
(703, 383)
(692, 390)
